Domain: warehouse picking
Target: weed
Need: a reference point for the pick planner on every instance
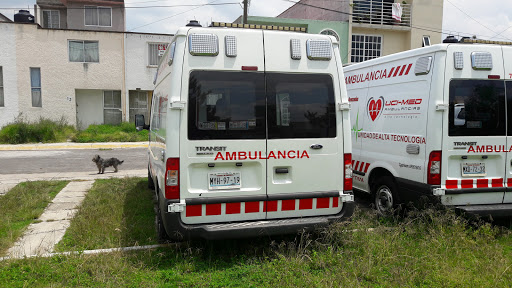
(125, 132)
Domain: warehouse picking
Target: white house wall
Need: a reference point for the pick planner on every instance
(139, 74)
(8, 63)
(48, 49)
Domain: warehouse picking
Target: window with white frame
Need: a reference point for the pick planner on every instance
(51, 19)
(98, 16)
(138, 104)
(155, 53)
(35, 84)
(83, 51)
(112, 112)
(2, 103)
(365, 47)
(426, 41)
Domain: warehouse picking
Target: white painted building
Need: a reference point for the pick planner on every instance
(84, 77)
(9, 107)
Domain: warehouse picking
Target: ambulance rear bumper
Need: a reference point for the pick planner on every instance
(177, 230)
(486, 210)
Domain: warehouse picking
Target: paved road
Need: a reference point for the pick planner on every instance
(70, 160)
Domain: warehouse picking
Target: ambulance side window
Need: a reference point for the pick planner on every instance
(477, 108)
(300, 106)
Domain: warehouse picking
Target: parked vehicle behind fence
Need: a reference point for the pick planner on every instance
(434, 122)
(249, 134)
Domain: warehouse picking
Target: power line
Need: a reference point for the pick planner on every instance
(198, 6)
(143, 7)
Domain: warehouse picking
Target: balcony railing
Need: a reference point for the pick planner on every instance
(379, 13)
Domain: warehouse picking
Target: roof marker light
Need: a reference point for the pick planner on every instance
(318, 49)
(230, 42)
(423, 65)
(203, 44)
(481, 60)
(493, 77)
(295, 49)
(458, 58)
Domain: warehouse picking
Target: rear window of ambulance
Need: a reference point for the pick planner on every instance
(300, 106)
(226, 105)
(477, 108)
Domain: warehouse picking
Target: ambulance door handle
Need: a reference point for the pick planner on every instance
(316, 146)
(281, 170)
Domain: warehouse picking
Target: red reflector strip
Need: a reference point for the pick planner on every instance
(322, 203)
(233, 208)
(250, 68)
(271, 206)
(451, 184)
(509, 182)
(288, 205)
(335, 202)
(498, 182)
(482, 183)
(466, 183)
(305, 204)
(366, 167)
(213, 209)
(193, 210)
(252, 207)
(494, 77)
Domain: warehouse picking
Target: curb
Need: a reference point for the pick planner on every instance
(55, 146)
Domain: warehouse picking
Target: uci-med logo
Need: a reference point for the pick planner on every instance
(374, 107)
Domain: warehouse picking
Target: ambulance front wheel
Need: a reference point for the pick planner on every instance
(385, 195)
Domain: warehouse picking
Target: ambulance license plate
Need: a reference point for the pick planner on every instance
(473, 169)
(224, 180)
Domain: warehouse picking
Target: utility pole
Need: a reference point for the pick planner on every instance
(244, 20)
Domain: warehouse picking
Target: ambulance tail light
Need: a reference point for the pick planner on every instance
(172, 178)
(434, 168)
(347, 172)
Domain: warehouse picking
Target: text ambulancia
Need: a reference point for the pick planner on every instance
(434, 121)
(244, 125)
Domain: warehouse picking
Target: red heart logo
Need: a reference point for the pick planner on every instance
(374, 108)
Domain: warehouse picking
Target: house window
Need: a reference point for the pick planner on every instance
(35, 83)
(426, 41)
(112, 113)
(365, 47)
(83, 51)
(98, 16)
(138, 104)
(51, 19)
(155, 53)
(2, 104)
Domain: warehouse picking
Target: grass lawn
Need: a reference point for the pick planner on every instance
(21, 206)
(115, 213)
(431, 248)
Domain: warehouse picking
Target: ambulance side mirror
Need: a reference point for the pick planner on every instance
(140, 123)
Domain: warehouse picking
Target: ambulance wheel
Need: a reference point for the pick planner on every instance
(385, 195)
(161, 234)
(151, 183)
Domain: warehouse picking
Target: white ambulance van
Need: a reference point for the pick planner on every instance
(249, 133)
(434, 121)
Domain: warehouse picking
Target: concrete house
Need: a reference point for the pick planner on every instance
(374, 29)
(85, 74)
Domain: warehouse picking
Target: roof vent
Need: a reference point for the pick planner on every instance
(193, 23)
(23, 16)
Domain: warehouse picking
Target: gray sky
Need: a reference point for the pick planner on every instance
(490, 19)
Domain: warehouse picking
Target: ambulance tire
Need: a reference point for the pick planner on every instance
(151, 183)
(162, 236)
(385, 194)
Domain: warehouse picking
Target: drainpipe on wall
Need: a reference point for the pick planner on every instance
(125, 106)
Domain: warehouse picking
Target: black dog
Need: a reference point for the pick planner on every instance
(103, 163)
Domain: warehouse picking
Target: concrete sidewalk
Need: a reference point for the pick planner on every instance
(72, 145)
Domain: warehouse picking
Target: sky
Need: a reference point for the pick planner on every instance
(490, 19)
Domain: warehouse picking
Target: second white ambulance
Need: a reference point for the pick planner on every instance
(249, 133)
(434, 121)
